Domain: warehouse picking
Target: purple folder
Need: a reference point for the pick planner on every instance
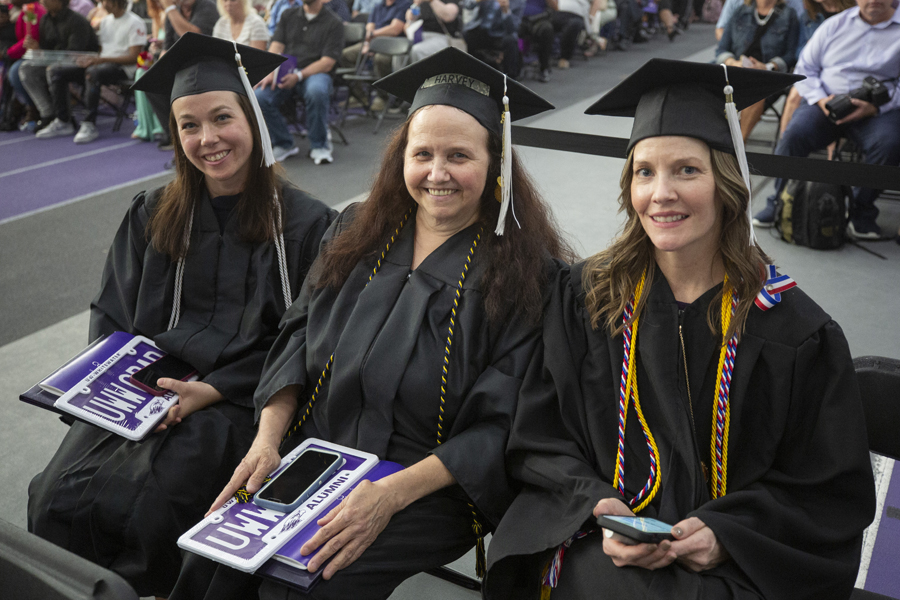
(82, 364)
(299, 578)
(287, 66)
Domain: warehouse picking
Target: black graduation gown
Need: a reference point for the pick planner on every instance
(123, 504)
(800, 488)
(383, 394)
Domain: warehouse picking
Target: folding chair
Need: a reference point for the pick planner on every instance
(34, 569)
(395, 47)
(879, 386)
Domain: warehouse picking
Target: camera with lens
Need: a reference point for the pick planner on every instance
(871, 90)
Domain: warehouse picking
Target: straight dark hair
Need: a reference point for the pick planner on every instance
(515, 275)
(255, 209)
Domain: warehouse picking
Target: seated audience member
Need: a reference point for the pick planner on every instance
(27, 28)
(123, 504)
(60, 29)
(747, 440)
(537, 31)
(240, 23)
(492, 34)
(386, 326)
(814, 14)
(276, 10)
(364, 7)
(195, 16)
(339, 8)
(835, 64)
(440, 21)
(731, 6)
(386, 19)
(602, 23)
(122, 37)
(762, 34)
(568, 21)
(315, 37)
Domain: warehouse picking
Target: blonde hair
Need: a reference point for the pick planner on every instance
(248, 8)
(611, 276)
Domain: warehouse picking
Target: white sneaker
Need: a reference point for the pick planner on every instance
(281, 153)
(320, 155)
(56, 128)
(86, 133)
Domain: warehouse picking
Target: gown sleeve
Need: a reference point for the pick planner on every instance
(474, 453)
(800, 526)
(113, 309)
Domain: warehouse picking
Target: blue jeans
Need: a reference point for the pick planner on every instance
(877, 137)
(315, 91)
(17, 84)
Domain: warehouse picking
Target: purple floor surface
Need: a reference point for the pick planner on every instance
(884, 572)
(36, 174)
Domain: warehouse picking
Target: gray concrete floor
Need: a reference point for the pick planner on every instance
(52, 261)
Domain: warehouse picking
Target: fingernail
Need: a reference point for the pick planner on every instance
(678, 531)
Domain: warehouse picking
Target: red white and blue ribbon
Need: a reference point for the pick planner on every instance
(551, 577)
(770, 294)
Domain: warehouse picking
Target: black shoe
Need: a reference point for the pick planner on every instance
(41, 123)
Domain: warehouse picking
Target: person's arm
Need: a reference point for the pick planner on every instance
(352, 527)
(276, 48)
(179, 23)
(392, 29)
(259, 35)
(445, 11)
(810, 65)
(725, 51)
(728, 10)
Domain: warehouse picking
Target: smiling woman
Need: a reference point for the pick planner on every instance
(205, 267)
(740, 398)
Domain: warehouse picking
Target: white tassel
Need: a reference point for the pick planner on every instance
(505, 167)
(268, 155)
(734, 125)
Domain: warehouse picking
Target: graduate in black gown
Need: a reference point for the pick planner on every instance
(768, 493)
(205, 267)
(423, 320)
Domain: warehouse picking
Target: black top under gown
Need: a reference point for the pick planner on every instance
(123, 504)
(799, 481)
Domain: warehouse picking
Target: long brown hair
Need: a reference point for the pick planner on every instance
(611, 276)
(255, 209)
(814, 8)
(515, 275)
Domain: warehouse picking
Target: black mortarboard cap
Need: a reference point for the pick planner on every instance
(199, 63)
(674, 97)
(454, 78)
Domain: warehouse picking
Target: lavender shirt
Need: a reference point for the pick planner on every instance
(844, 50)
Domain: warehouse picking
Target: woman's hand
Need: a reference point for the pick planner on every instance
(647, 556)
(262, 459)
(192, 396)
(351, 527)
(696, 546)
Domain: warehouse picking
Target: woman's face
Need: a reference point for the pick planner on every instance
(446, 165)
(216, 138)
(234, 8)
(673, 191)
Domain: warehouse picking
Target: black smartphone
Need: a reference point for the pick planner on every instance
(299, 480)
(167, 366)
(640, 529)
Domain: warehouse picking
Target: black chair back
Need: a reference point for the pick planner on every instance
(34, 569)
(394, 46)
(879, 385)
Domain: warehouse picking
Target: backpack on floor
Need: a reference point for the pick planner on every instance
(813, 214)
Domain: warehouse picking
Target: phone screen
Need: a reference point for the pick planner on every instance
(298, 476)
(167, 366)
(643, 524)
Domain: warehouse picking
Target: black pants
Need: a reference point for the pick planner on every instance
(501, 53)
(95, 77)
(59, 77)
(567, 25)
(539, 33)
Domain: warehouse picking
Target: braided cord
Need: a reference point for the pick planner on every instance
(722, 404)
(282, 257)
(628, 394)
(179, 274)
